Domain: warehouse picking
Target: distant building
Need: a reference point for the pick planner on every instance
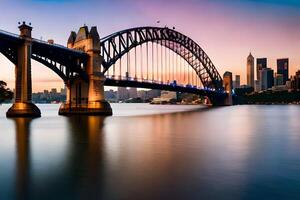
(168, 95)
(261, 63)
(148, 95)
(123, 94)
(53, 90)
(63, 91)
(237, 81)
(257, 86)
(278, 79)
(267, 78)
(227, 82)
(133, 93)
(295, 81)
(153, 93)
(111, 95)
(250, 70)
(283, 68)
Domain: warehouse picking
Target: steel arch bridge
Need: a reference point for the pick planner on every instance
(117, 48)
(65, 62)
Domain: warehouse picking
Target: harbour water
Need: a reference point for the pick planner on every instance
(153, 152)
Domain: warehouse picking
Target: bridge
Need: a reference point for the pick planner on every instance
(143, 57)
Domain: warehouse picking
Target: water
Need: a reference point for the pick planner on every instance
(153, 152)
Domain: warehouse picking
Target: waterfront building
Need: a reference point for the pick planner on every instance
(237, 81)
(278, 79)
(261, 63)
(53, 90)
(132, 93)
(250, 70)
(148, 95)
(267, 78)
(63, 91)
(295, 81)
(111, 95)
(122, 94)
(257, 86)
(168, 95)
(283, 68)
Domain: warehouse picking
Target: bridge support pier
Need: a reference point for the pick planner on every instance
(23, 107)
(86, 96)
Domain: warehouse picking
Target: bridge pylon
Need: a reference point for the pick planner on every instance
(23, 106)
(85, 95)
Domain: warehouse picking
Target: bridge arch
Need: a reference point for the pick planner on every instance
(116, 45)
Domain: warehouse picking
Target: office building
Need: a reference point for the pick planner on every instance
(283, 68)
(295, 81)
(237, 81)
(250, 70)
(278, 79)
(261, 63)
(267, 78)
(257, 86)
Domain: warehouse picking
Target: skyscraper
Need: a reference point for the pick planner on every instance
(250, 70)
(261, 63)
(283, 68)
(237, 82)
(267, 78)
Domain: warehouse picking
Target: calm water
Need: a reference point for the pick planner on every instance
(153, 152)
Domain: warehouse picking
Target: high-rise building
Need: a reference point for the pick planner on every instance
(227, 81)
(257, 86)
(295, 81)
(278, 79)
(250, 70)
(237, 82)
(267, 78)
(283, 68)
(261, 63)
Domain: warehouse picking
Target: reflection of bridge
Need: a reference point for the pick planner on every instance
(145, 57)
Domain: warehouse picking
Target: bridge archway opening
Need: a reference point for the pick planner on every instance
(155, 62)
(44, 78)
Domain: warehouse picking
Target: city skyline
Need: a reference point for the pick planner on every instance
(271, 31)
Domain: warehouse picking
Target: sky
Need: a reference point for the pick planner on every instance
(227, 30)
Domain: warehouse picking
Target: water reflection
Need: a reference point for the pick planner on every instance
(234, 152)
(86, 154)
(79, 174)
(22, 126)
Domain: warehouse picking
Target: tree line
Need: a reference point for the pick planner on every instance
(5, 93)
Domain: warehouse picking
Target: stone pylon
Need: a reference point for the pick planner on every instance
(86, 96)
(23, 107)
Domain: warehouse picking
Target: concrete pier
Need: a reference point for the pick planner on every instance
(23, 107)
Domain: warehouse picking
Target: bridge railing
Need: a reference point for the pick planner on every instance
(9, 33)
(39, 41)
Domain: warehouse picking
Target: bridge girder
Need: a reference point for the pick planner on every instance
(63, 61)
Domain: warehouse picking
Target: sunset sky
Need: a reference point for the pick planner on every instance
(226, 29)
